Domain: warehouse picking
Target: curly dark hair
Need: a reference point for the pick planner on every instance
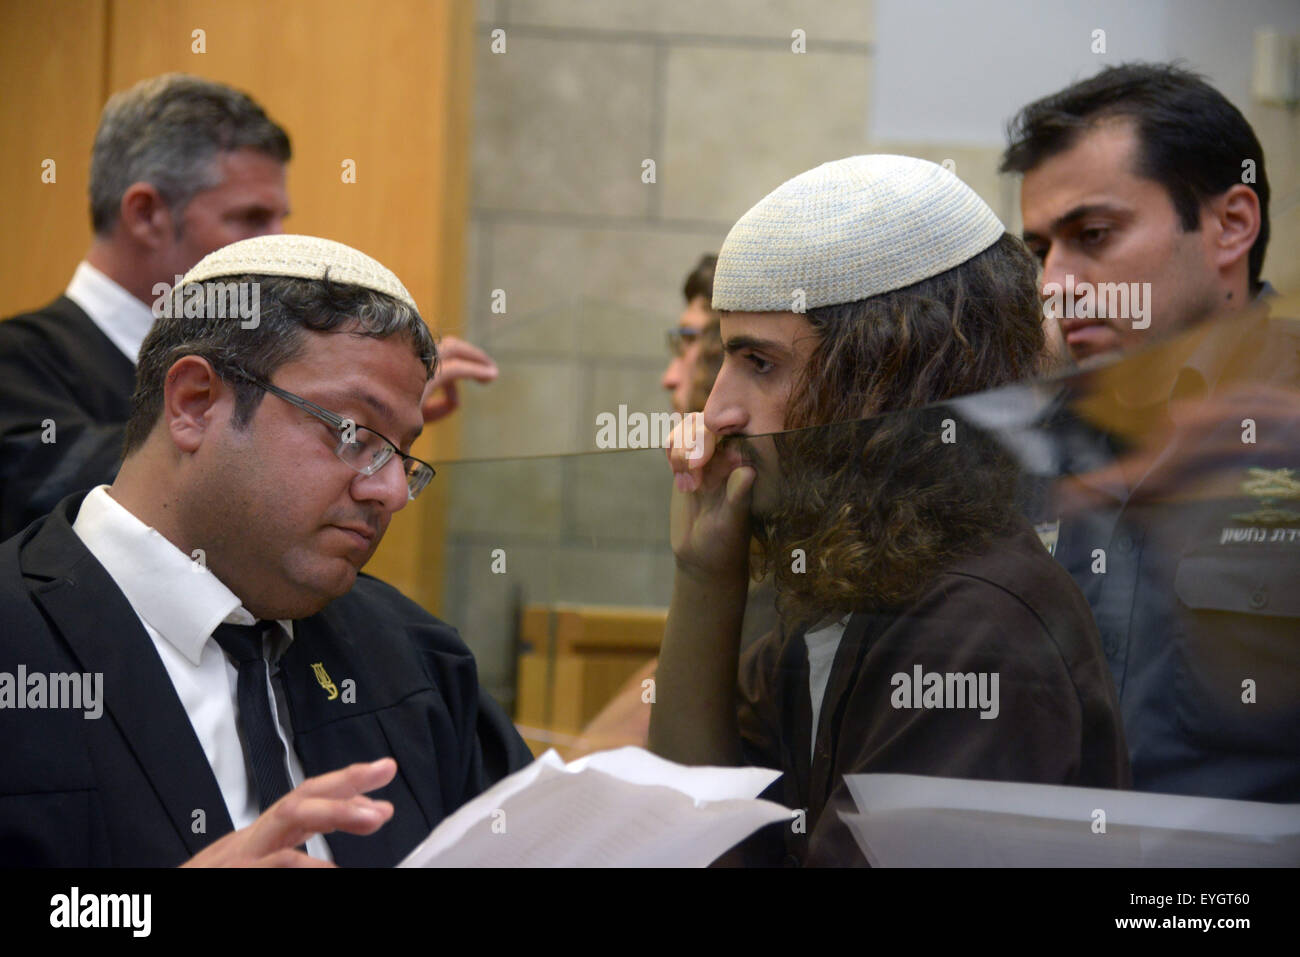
(881, 503)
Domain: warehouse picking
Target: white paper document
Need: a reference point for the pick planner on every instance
(908, 820)
(621, 808)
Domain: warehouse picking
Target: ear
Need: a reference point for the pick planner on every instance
(1236, 215)
(191, 392)
(145, 216)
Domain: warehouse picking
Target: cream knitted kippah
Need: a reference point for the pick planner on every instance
(302, 257)
(849, 230)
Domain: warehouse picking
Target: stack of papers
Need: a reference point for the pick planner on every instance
(907, 820)
(621, 808)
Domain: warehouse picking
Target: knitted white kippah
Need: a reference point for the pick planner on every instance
(848, 230)
(302, 257)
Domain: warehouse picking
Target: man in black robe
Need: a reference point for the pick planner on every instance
(181, 166)
(191, 667)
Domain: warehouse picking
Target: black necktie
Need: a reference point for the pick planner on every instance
(265, 750)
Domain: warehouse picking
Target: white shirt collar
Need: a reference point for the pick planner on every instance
(118, 314)
(176, 596)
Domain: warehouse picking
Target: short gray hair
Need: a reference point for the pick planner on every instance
(168, 131)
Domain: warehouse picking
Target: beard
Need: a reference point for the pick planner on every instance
(760, 455)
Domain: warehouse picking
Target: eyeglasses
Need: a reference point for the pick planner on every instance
(361, 449)
(679, 339)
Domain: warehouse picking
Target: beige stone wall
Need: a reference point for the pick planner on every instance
(592, 261)
(1278, 129)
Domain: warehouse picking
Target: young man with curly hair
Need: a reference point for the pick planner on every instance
(925, 628)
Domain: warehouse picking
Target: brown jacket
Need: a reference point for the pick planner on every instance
(1009, 610)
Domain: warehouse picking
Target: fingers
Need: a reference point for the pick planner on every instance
(302, 818)
(290, 821)
(457, 360)
(678, 437)
(450, 371)
(452, 347)
(740, 487)
(461, 360)
(440, 403)
(328, 802)
(289, 858)
(350, 781)
(690, 447)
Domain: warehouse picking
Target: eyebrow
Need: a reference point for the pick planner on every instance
(379, 405)
(1076, 214)
(260, 209)
(736, 343)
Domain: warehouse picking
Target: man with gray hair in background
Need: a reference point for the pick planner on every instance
(181, 166)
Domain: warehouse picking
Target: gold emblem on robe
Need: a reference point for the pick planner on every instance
(323, 677)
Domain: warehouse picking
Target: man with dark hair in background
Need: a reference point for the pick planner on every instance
(180, 166)
(1175, 525)
(211, 599)
(1145, 173)
(871, 285)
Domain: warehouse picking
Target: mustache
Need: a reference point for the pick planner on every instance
(740, 446)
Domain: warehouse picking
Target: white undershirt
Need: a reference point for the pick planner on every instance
(118, 314)
(180, 602)
(822, 645)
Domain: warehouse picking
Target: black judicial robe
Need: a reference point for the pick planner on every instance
(124, 789)
(56, 364)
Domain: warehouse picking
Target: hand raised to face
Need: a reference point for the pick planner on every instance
(710, 511)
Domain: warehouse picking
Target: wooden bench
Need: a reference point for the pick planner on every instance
(572, 660)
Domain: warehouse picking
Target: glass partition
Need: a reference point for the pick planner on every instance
(1092, 581)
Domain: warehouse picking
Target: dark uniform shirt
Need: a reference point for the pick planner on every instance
(1192, 569)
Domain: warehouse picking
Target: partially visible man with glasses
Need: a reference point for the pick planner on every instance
(259, 686)
(695, 350)
(694, 347)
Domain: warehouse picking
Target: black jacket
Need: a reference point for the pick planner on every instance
(123, 789)
(57, 367)
(1009, 610)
